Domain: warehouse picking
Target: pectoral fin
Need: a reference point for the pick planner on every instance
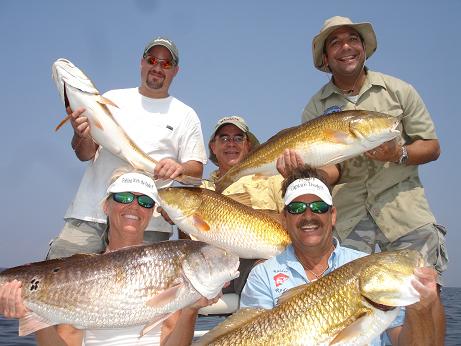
(200, 223)
(165, 296)
(105, 101)
(31, 323)
(152, 324)
(339, 137)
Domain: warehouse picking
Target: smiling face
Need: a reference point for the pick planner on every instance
(310, 232)
(229, 153)
(127, 222)
(156, 81)
(344, 52)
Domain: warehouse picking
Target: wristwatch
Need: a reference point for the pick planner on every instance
(404, 156)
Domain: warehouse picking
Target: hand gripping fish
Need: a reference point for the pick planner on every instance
(350, 306)
(77, 90)
(139, 285)
(326, 140)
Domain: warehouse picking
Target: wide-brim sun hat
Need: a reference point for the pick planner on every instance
(236, 121)
(364, 29)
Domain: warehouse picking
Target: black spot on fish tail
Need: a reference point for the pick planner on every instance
(34, 284)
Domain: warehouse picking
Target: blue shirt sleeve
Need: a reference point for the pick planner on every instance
(256, 293)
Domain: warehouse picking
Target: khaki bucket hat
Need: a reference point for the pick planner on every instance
(241, 124)
(364, 29)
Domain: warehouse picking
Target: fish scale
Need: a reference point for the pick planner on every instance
(313, 314)
(113, 290)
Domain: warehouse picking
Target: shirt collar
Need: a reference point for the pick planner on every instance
(372, 79)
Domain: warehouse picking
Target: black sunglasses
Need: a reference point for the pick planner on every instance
(128, 197)
(317, 207)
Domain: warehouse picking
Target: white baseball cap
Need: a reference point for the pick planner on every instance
(135, 182)
(308, 186)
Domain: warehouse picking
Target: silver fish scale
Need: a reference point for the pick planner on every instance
(110, 290)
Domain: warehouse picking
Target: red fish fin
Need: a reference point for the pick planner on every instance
(188, 180)
(98, 125)
(337, 136)
(105, 101)
(154, 323)
(259, 176)
(63, 121)
(165, 296)
(200, 223)
(241, 197)
(348, 334)
(31, 323)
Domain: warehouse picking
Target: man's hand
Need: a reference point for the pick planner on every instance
(426, 285)
(79, 122)
(288, 161)
(11, 303)
(168, 169)
(387, 152)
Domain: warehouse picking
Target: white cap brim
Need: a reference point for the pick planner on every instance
(308, 186)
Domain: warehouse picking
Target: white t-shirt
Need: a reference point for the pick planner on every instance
(160, 127)
(122, 337)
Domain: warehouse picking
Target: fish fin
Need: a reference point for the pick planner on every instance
(259, 176)
(200, 223)
(165, 296)
(290, 293)
(98, 125)
(63, 121)
(188, 180)
(31, 323)
(242, 197)
(105, 101)
(231, 323)
(273, 214)
(154, 323)
(337, 136)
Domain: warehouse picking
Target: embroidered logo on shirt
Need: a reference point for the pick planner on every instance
(332, 109)
(280, 278)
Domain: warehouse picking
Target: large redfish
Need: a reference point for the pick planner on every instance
(326, 140)
(140, 285)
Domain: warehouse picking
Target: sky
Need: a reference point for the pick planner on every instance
(240, 57)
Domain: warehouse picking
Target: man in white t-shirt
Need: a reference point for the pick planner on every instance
(162, 126)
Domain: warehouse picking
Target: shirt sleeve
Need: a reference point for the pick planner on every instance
(416, 121)
(192, 146)
(256, 292)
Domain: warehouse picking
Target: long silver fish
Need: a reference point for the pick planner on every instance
(350, 306)
(77, 90)
(140, 285)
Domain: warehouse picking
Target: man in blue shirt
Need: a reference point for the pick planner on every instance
(309, 217)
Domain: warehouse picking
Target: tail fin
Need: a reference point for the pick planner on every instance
(63, 121)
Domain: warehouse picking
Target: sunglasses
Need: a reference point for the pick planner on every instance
(164, 63)
(128, 197)
(239, 139)
(317, 207)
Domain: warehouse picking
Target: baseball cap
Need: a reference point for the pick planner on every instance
(165, 42)
(307, 186)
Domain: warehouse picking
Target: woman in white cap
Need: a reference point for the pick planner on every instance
(129, 206)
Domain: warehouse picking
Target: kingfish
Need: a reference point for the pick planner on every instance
(77, 90)
(219, 220)
(326, 140)
(140, 285)
(350, 306)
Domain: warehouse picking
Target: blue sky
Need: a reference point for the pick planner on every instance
(251, 58)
